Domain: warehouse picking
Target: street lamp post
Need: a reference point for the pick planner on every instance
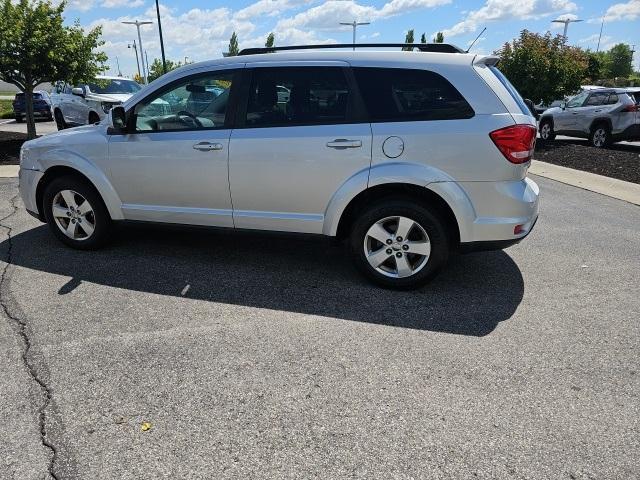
(566, 22)
(135, 49)
(137, 24)
(164, 62)
(355, 25)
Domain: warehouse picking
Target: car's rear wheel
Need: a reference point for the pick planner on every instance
(600, 136)
(399, 244)
(60, 123)
(546, 131)
(76, 214)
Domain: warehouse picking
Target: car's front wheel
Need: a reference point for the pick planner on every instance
(546, 131)
(60, 123)
(399, 244)
(76, 214)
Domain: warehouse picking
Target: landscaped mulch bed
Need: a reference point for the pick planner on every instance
(620, 161)
(10, 143)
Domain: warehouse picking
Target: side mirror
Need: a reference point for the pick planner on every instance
(118, 119)
(563, 105)
(78, 91)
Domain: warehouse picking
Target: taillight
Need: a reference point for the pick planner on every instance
(631, 108)
(516, 142)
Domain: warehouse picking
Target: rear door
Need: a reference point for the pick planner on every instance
(290, 153)
(593, 107)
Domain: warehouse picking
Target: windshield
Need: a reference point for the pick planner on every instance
(114, 86)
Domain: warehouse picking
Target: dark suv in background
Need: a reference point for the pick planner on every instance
(41, 106)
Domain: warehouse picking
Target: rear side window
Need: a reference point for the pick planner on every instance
(404, 95)
(596, 99)
(296, 96)
(511, 89)
(613, 99)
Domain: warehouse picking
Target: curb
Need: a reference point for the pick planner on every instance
(611, 187)
(9, 171)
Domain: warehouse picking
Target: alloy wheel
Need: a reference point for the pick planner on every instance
(599, 137)
(397, 247)
(73, 215)
(545, 131)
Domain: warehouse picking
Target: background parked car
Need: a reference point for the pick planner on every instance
(41, 106)
(90, 102)
(603, 115)
(541, 107)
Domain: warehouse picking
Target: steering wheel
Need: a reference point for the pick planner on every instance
(191, 116)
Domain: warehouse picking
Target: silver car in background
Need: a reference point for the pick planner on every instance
(604, 116)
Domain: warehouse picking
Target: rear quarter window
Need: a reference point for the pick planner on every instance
(404, 95)
(511, 89)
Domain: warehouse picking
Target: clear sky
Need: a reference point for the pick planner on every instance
(200, 29)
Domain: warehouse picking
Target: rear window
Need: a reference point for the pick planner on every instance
(36, 96)
(405, 95)
(511, 89)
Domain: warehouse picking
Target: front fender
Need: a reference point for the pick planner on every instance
(401, 173)
(70, 159)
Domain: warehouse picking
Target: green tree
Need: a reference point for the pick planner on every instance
(35, 48)
(423, 38)
(156, 71)
(620, 58)
(542, 67)
(408, 39)
(598, 65)
(271, 40)
(439, 38)
(233, 45)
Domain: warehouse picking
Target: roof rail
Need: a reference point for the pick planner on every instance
(422, 47)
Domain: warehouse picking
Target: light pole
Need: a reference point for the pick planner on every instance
(566, 22)
(355, 25)
(164, 62)
(137, 24)
(135, 49)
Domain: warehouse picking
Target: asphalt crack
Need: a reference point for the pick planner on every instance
(22, 329)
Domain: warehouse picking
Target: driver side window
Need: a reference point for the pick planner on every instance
(197, 102)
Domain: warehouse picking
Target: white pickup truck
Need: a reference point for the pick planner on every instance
(88, 103)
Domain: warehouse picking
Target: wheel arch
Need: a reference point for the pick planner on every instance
(545, 118)
(106, 192)
(600, 120)
(421, 194)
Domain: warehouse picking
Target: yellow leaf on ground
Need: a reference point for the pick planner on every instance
(146, 426)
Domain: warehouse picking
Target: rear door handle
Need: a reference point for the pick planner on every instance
(340, 143)
(208, 146)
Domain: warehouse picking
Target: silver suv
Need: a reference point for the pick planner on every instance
(603, 115)
(407, 156)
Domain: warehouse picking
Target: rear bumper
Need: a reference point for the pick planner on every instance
(505, 212)
(483, 246)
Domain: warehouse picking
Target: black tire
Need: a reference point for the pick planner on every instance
(547, 126)
(60, 123)
(93, 118)
(430, 223)
(600, 136)
(19, 120)
(99, 218)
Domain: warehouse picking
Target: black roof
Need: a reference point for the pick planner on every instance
(422, 47)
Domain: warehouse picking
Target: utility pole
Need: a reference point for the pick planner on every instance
(355, 25)
(566, 22)
(137, 24)
(600, 36)
(118, 64)
(146, 59)
(164, 62)
(135, 49)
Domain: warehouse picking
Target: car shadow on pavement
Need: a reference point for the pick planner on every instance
(311, 275)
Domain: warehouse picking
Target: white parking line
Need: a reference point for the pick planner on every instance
(2, 122)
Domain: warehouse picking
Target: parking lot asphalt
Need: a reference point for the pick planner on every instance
(262, 356)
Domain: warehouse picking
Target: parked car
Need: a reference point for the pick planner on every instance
(41, 106)
(89, 103)
(408, 156)
(603, 115)
(541, 107)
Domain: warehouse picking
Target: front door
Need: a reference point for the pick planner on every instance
(565, 120)
(173, 165)
(292, 152)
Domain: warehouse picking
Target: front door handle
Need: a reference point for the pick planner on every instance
(208, 146)
(340, 143)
